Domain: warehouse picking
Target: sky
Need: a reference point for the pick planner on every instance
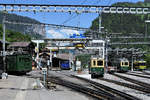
(81, 20)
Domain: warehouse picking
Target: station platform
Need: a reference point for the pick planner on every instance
(22, 88)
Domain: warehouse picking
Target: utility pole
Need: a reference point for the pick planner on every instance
(146, 30)
(100, 22)
(132, 60)
(4, 51)
(146, 27)
(37, 53)
(70, 59)
(50, 59)
(106, 49)
(106, 54)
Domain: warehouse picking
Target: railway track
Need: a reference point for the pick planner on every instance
(139, 88)
(142, 84)
(142, 72)
(146, 73)
(112, 93)
(122, 95)
(138, 75)
(100, 95)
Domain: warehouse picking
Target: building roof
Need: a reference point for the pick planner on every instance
(64, 56)
(19, 44)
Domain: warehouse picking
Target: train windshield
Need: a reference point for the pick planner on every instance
(94, 62)
(126, 63)
(99, 63)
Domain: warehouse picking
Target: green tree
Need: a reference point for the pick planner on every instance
(12, 36)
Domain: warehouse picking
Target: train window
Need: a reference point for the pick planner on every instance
(27, 59)
(20, 60)
(126, 63)
(142, 64)
(94, 62)
(99, 63)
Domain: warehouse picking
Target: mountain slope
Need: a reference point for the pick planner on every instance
(33, 30)
(12, 36)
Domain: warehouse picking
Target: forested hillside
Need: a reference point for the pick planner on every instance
(146, 0)
(124, 23)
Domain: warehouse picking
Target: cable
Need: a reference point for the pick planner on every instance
(109, 2)
(97, 2)
(83, 2)
(69, 19)
(72, 16)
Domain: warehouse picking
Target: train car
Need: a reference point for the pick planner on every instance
(139, 65)
(79, 45)
(122, 65)
(19, 63)
(97, 67)
(65, 64)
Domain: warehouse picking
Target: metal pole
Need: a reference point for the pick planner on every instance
(37, 55)
(50, 59)
(132, 62)
(44, 77)
(100, 22)
(4, 55)
(146, 30)
(106, 54)
(70, 59)
(103, 50)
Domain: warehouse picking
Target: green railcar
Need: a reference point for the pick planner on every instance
(139, 65)
(20, 63)
(97, 67)
(123, 65)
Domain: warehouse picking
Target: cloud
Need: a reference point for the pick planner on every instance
(69, 31)
(63, 33)
(55, 34)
